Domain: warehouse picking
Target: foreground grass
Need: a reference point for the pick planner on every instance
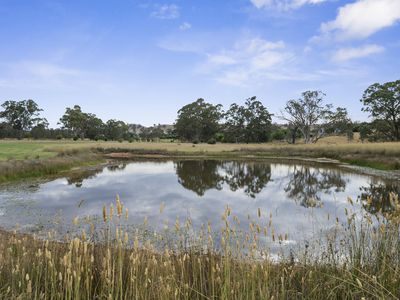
(364, 263)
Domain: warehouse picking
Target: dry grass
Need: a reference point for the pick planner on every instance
(329, 144)
(21, 169)
(362, 264)
(28, 158)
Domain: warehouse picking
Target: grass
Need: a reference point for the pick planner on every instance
(64, 161)
(364, 263)
(19, 150)
(27, 158)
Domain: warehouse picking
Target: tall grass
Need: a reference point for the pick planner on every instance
(20, 169)
(361, 263)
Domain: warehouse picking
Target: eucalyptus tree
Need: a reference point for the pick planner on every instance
(116, 129)
(308, 114)
(382, 102)
(248, 123)
(198, 121)
(81, 124)
(22, 115)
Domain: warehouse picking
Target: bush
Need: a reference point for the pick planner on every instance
(59, 137)
(219, 137)
(211, 141)
(75, 138)
(120, 140)
(279, 135)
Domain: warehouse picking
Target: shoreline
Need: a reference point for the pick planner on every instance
(376, 160)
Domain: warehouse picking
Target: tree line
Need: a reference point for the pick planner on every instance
(308, 118)
(22, 119)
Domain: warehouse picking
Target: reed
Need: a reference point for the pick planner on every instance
(361, 263)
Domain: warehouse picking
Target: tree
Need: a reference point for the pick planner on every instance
(248, 123)
(93, 127)
(40, 130)
(156, 132)
(382, 102)
(365, 131)
(198, 121)
(340, 122)
(22, 115)
(308, 114)
(115, 129)
(74, 120)
(81, 124)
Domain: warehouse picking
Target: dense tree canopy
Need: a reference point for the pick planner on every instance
(74, 119)
(115, 130)
(198, 121)
(248, 123)
(382, 102)
(22, 115)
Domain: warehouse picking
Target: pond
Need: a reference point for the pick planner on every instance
(304, 199)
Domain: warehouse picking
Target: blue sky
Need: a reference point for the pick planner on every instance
(140, 61)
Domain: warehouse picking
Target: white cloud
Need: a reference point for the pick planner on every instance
(46, 70)
(363, 18)
(284, 4)
(166, 12)
(185, 26)
(249, 60)
(39, 74)
(221, 59)
(344, 54)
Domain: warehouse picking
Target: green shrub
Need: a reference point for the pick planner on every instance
(211, 141)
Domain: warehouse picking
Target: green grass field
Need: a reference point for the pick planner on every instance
(23, 150)
(26, 158)
(28, 149)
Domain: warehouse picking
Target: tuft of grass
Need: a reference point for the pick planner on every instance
(362, 263)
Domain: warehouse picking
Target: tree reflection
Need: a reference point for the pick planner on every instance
(252, 177)
(116, 167)
(78, 177)
(376, 197)
(306, 184)
(200, 176)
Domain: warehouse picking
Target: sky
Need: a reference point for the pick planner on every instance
(140, 61)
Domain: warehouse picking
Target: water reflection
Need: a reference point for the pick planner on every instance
(306, 185)
(199, 175)
(376, 196)
(78, 177)
(286, 191)
(252, 177)
(202, 175)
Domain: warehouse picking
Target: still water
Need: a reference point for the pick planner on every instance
(303, 199)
